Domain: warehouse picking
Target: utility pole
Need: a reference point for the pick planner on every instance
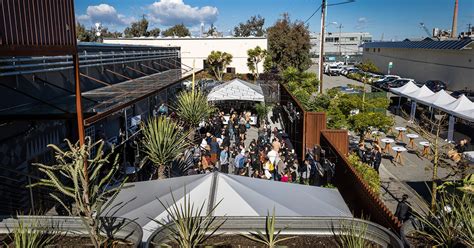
(339, 41)
(455, 20)
(321, 47)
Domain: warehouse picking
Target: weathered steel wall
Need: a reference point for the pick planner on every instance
(355, 191)
(314, 123)
(339, 139)
(37, 27)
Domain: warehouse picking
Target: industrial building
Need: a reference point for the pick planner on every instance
(196, 49)
(120, 84)
(451, 61)
(340, 44)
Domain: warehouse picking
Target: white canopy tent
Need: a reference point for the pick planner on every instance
(461, 107)
(238, 196)
(236, 89)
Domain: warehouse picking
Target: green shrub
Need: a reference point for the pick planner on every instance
(367, 173)
(368, 66)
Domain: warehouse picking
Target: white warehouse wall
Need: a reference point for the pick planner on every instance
(199, 48)
(454, 67)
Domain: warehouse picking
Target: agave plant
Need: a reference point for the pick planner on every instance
(31, 235)
(452, 224)
(187, 225)
(351, 235)
(192, 107)
(163, 142)
(89, 189)
(271, 237)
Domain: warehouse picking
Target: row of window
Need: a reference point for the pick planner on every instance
(345, 39)
(373, 50)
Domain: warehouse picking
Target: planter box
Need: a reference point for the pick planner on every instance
(317, 228)
(118, 228)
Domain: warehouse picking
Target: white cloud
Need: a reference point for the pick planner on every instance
(362, 23)
(105, 14)
(171, 12)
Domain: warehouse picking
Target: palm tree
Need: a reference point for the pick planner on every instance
(192, 108)
(217, 62)
(163, 142)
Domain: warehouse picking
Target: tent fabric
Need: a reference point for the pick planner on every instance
(460, 108)
(238, 196)
(439, 99)
(421, 93)
(236, 89)
(406, 89)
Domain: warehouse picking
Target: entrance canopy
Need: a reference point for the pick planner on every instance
(236, 89)
(238, 196)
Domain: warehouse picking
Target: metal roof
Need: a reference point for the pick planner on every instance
(424, 44)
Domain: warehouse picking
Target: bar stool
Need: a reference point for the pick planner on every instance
(412, 138)
(399, 150)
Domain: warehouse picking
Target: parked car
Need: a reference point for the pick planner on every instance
(333, 70)
(388, 77)
(468, 93)
(380, 85)
(397, 83)
(348, 90)
(350, 70)
(434, 85)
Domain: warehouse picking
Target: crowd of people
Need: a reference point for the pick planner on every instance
(270, 156)
(371, 156)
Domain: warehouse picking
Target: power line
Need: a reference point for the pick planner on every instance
(314, 13)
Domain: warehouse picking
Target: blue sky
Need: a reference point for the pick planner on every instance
(395, 19)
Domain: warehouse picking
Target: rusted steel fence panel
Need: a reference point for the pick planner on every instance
(355, 191)
(37, 27)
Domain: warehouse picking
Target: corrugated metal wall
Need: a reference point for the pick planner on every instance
(32, 26)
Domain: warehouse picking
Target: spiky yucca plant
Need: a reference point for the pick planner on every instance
(192, 107)
(452, 224)
(271, 237)
(163, 141)
(187, 225)
(351, 235)
(31, 235)
(88, 190)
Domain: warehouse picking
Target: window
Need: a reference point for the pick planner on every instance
(330, 39)
(352, 38)
(374, 50)
(378, 50)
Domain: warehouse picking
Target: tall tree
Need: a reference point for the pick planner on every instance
(155, 32)
(138, 28)
(177, 30)
(217, 62)
(212, 31)
(253, 27)
(83, 34)
(255, 56)
(289, 44)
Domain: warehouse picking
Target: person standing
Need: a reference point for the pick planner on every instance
(403, 209)
(224, 159)
(377, 157)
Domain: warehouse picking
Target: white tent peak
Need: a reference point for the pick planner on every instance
(421, 93)
(236, 89)
(406, 89)
(238, 196)
(461, 104)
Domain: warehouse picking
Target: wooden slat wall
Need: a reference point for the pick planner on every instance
(339, 139)
(37, 27)
(314, 123)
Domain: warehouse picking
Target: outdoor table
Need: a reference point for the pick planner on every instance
(412, 138)
(400, 133)
(399, 150)
(388, 144)
(426, 148)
